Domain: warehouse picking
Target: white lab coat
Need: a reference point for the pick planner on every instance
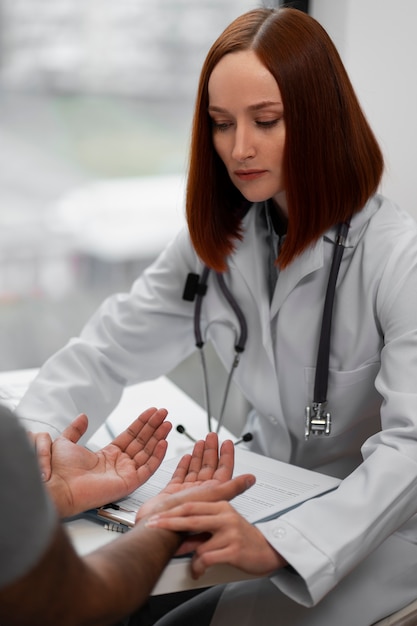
(372, 378)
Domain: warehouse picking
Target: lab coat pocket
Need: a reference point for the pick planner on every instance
(352, 398)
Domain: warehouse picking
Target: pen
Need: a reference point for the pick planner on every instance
(116, 507)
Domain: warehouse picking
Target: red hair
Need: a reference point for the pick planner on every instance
(332, 162)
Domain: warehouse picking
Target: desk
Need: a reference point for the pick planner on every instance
(87, 535)
(160, 392)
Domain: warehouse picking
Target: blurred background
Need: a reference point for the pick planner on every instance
(96, 100)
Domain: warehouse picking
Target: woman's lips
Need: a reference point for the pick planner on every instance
(249, 174)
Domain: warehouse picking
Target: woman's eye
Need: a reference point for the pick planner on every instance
(220, 126)
(267, 123)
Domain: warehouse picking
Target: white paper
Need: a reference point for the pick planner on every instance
(279, 487)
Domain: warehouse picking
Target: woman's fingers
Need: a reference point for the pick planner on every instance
(180, 505)
(200, 563)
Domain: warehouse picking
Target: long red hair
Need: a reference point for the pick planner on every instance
(332, 161)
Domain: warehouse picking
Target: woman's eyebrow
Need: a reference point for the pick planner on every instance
(253, 107)
(263, 105)
(216, 109)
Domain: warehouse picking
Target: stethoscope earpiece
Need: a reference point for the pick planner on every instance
(181, 429)
(244, 439)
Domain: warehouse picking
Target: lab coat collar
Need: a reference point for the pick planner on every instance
(357, 224)
(251, 262)
(250, 259)
(310, 261)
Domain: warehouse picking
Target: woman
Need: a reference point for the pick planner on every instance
(282, 156)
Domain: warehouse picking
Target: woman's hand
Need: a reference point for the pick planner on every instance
(219, 534)
(82, 479)
(194, 501)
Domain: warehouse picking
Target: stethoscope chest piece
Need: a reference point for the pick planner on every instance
(318, 421)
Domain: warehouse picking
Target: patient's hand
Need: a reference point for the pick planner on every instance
(205, 465)
(82, 479)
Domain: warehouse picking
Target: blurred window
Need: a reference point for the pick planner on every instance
(96, 100)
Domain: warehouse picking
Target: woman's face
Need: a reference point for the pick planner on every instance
(247, 114)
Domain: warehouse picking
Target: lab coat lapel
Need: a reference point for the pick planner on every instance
(308, 262)
(251, 263)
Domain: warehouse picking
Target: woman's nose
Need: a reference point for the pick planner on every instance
(243, 147)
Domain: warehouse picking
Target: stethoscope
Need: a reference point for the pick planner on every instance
(317, 417)
(196, 289)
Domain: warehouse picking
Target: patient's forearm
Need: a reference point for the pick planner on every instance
(101, 588)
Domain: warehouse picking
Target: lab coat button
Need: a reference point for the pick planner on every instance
(273, 419)
(279, 533)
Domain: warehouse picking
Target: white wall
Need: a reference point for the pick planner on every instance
(377, 41)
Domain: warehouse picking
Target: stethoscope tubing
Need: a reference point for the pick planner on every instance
(323, 354)
(241, 342)
(199, 342)
(239, 345)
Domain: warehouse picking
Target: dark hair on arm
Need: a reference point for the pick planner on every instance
(332, 161)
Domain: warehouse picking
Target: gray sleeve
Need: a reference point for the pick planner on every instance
(28, 517)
